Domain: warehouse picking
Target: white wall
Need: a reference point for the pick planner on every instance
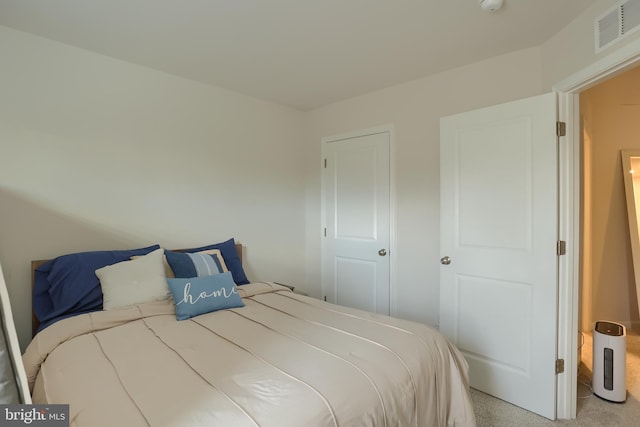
(573, 48)
(414, 109)
(97, 153)
(607, 290)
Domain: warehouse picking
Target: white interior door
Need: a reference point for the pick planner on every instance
(356, 215)
(498, 296)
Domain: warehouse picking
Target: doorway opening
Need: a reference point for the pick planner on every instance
(570, 213)
(609, 112)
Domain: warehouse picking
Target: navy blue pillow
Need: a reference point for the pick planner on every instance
(68, 285)
(231, 258)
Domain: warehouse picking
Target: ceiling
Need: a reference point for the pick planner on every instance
(299, 53)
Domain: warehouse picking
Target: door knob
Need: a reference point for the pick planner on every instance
(382, 252)
(445, 260)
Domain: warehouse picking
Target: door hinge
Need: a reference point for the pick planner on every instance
(325, 232)
(559, 366)
(325, 297)
(325, 163)
(561, 129)
(561, 247)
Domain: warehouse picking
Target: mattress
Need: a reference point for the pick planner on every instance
(281, 360)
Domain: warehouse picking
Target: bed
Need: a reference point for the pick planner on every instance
(266, 356)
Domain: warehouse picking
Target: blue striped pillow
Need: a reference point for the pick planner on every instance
(198, 264)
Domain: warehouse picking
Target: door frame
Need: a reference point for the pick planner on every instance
(393, 291)
(569, 216)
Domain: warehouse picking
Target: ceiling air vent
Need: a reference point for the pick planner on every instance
(617, 23)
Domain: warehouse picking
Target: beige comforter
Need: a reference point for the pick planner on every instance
(282, 360)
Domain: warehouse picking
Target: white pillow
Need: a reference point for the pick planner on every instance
(134, 282)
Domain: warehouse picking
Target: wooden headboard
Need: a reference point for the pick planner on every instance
(37, 263)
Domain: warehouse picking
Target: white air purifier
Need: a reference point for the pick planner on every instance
(609, 380)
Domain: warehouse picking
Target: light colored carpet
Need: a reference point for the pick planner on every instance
(592, 411)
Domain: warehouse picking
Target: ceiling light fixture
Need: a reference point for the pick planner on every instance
(490, 5)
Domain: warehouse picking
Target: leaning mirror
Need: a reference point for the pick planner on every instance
(13, 378)
(631, 172)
